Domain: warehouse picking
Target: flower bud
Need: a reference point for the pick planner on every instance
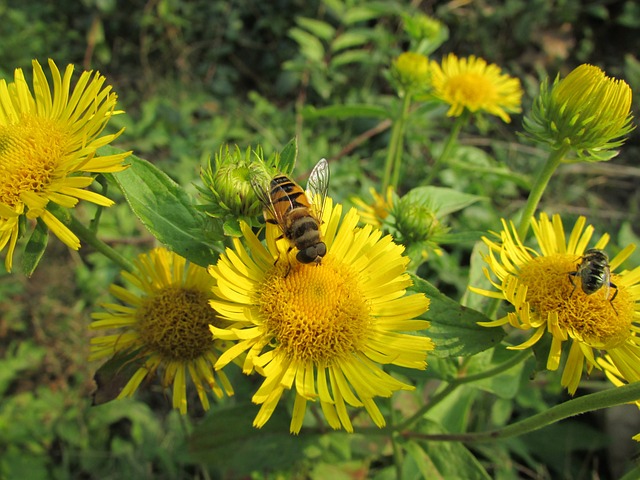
(410, 72)
(587, 110)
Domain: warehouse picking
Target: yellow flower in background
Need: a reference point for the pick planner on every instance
(546, 298)
(374, 214)
(325, 330)
(472, 84)
(47, 140)
(411, 72)
(166, 321)
(587, 110)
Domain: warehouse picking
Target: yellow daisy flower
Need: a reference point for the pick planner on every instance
(167, 325)
(374, 214)
(472, 84)
(48, 139)
(324, 330)
(546, 291)
(587, 110)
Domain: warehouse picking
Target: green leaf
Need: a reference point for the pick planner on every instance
(448, 459)
(114, 374)
(227, 440)
(470, 236)
(454, 328)
(166, 210)
(364, 14)
(317, 27)
(17, 358)
(351, 39)
(310, 46)
(360, 55)
(288, 156)
(507, 384)
(35, 247)
(444, 200)
(346, 111)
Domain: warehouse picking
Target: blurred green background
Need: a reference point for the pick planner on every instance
(195, 75)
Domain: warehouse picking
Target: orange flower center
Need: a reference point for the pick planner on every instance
(593, 318)
(30, 152)
(315, 313)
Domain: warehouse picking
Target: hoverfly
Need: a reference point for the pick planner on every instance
(289, 207)
(594, 273)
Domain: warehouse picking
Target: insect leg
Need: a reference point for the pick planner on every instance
(615, 294)
(573, 274)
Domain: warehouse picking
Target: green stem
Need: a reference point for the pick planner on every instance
(89, 237)
(539, 186)
(397, 450)
(394, 153)
(595, 401)
(451, 142)
(399, 149)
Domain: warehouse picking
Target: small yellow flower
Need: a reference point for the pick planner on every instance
(323, 330)
(374, 214)
(472, 84)
(167, 322)
(411, 72)
(587, 111)
(46, 140)
(547, 299)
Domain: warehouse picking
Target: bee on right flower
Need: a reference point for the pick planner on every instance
(594, 273)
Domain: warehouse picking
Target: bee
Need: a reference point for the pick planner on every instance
(289, 207)
(594, 273)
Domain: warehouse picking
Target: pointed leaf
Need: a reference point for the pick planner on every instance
(35, 247)
(443, 200)
(454, 328)
(168, 213)
(227, 439)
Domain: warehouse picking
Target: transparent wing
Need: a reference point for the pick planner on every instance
(318, 186)
(262, 191)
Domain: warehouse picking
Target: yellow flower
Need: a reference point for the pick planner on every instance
(411, 72)
(547, 298)
(46, 140)
(472, 84)
(324, 330)
(587, 111)
(374, 214)
(167, 324)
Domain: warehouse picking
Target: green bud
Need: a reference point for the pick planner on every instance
(426, 33)
(587, 110)
(417, 221)
(410, 72)
(227, 183)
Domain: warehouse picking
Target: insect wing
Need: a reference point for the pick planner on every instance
(265, 198)
(607, 280)
(318, 186)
